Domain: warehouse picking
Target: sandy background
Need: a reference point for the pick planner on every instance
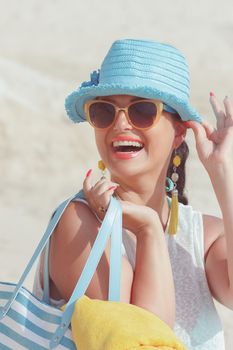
(48, 48)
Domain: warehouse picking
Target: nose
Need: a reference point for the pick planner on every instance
(121, 122)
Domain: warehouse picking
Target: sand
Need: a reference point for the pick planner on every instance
(46, 49)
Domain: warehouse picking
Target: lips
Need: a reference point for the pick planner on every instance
(126, 147)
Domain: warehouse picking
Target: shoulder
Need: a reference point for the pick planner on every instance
(213, 230)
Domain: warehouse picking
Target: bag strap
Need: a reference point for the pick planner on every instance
(46, 289)
(111, 225)
(116, 257)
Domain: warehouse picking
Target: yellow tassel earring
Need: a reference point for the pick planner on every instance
(174, 201)
(102, 167)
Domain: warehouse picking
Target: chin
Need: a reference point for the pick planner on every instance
(123, 171)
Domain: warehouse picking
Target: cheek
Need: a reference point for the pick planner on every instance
(161, 140)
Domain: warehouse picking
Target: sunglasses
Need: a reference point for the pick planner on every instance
(141, 114)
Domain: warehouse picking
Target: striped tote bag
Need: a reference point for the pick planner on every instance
(29, 323)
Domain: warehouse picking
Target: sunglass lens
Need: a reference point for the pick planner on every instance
(142, 114)
(101, 114)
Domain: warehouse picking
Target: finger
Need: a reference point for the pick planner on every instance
(113, 188)
(210, 131)
(87, 182)
(228, 108)
(208, 128)
(101, 203)
(218, 111)
(101, 193)
(198, 130)
(104, 199)
(102, 186)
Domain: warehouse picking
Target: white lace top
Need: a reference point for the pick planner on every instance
(197, 323)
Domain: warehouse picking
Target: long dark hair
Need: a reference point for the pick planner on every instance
(183, 152)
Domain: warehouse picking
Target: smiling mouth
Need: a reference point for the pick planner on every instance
(127, 146)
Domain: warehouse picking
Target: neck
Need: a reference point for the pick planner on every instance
(142, 191)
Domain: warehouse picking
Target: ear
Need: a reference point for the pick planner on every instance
(180, 133)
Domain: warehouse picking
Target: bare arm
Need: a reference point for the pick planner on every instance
(219, 241)
(153, 287)
(215, 150)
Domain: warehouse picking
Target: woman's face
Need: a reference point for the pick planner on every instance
(156, 143)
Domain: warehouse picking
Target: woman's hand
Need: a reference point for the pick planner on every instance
(215, 145)
(139, 219)
(99, 195)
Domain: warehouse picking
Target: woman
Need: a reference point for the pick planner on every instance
(139, 108)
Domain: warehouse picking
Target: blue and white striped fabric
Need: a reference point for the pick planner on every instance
(28, 323)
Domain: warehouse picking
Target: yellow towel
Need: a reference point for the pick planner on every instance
(108, 325)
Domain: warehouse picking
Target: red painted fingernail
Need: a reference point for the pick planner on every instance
(112, 188)
(89, 172)
(187, 124)
(212, 93)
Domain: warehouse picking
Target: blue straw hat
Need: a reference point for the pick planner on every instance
(147, 69)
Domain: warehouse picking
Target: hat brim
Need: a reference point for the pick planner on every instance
(74, 103)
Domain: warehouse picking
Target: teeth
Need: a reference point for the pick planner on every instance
(127, 143)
